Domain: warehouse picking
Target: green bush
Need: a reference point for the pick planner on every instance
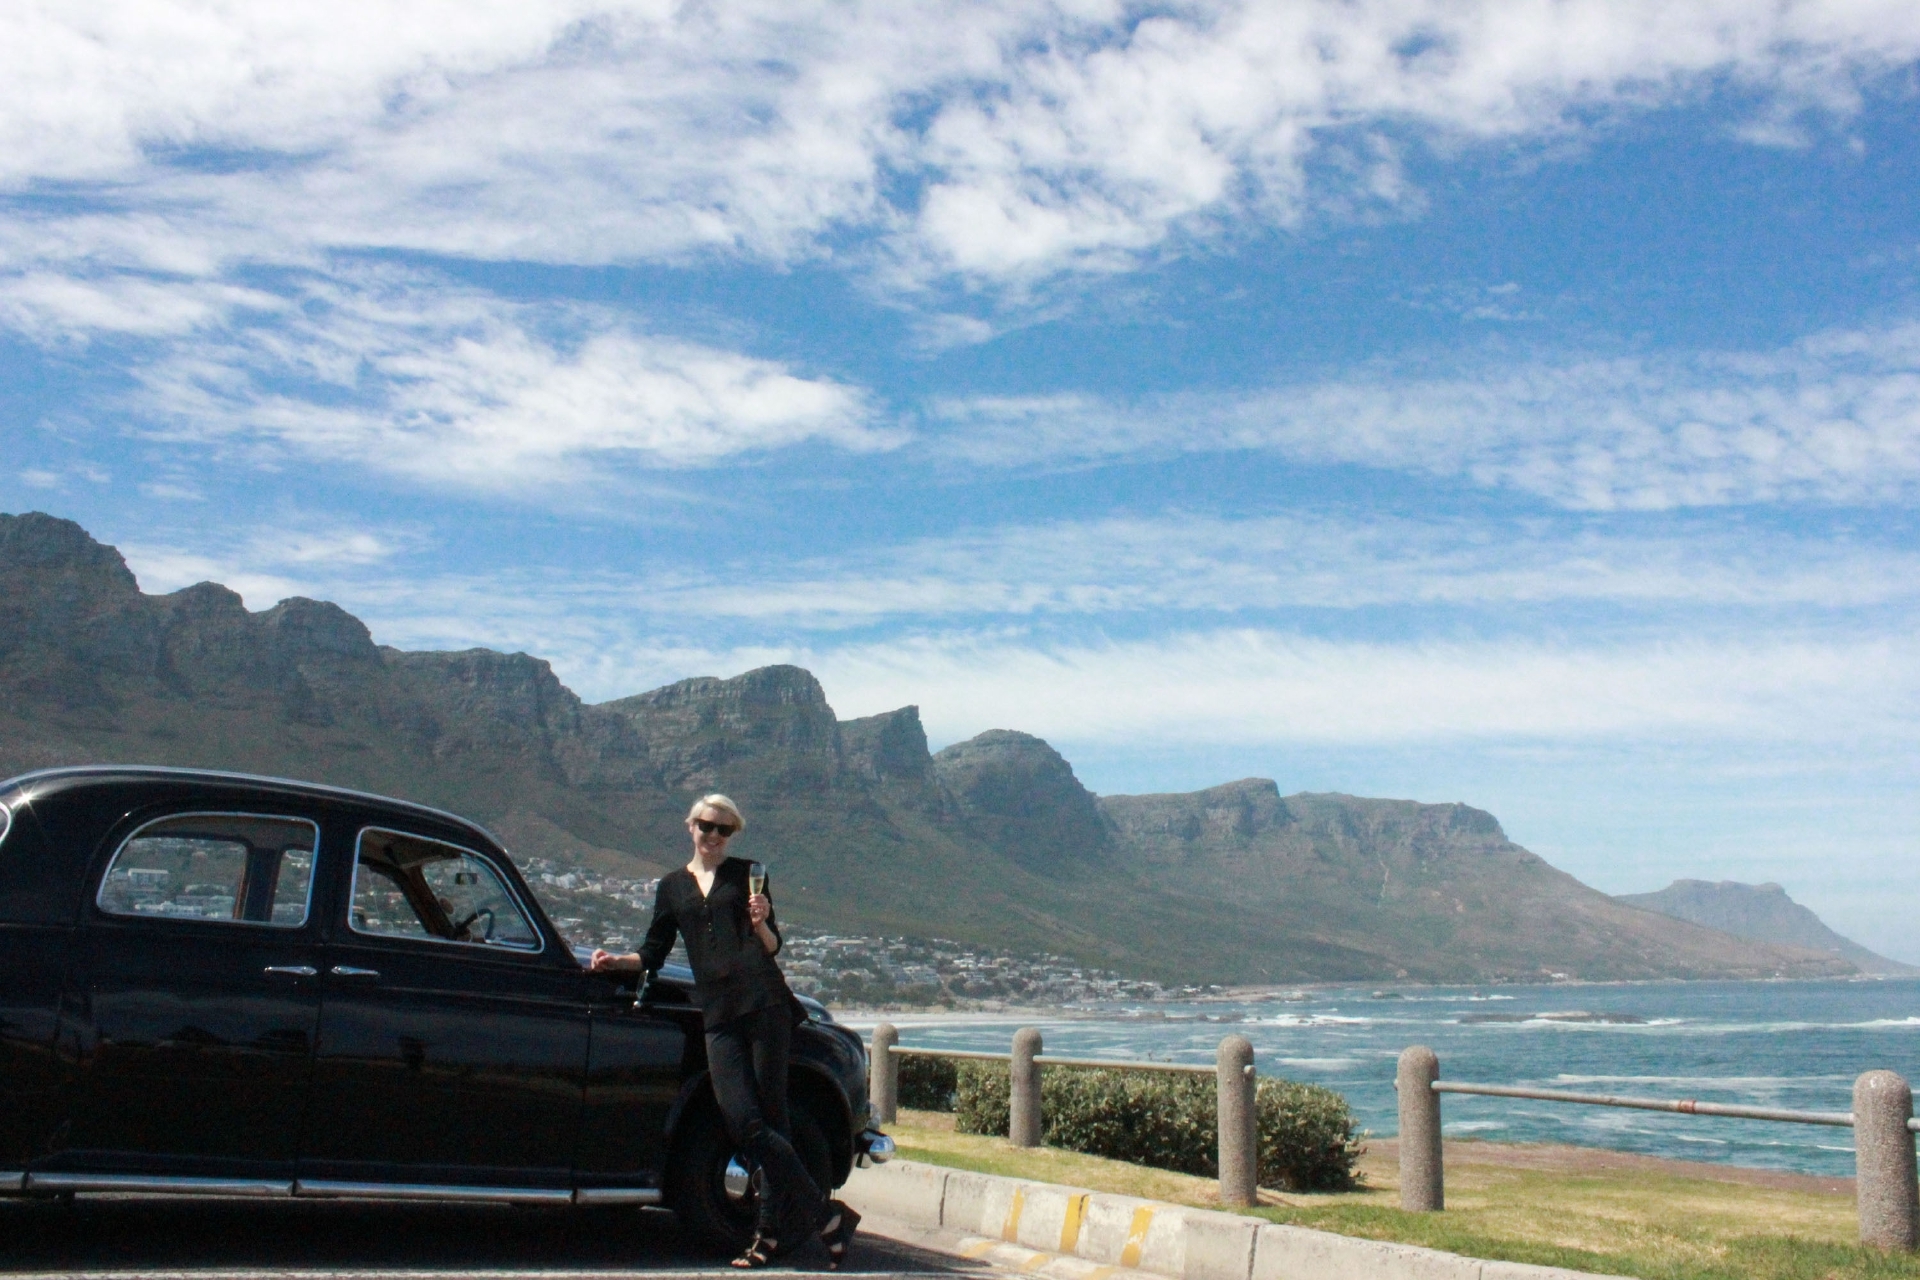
(1306, 1132)
(926, 1084)
(1307, 1138)
(980, 1099)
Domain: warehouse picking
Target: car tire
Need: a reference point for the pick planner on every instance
(696, 1180)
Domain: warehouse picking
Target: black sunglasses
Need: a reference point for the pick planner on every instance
(721, 829)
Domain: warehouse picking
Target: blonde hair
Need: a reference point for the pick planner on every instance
(724, 805)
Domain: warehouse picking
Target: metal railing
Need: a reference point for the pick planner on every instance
(1886, 1189)
(1235, 1085)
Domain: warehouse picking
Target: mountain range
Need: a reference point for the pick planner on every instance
(991, 841)
(1763, 912)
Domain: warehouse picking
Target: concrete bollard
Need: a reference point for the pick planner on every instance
(1023, 1113)
(1885, 1189)
(883, 1074)
(1235, 1089)
(1422, 1180)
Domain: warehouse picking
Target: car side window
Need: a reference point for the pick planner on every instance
(240, 868)
(409, 886)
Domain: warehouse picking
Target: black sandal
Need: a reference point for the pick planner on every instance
(760, 1252)
(837, 1234)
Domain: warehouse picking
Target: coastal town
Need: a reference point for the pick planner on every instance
(606, 911)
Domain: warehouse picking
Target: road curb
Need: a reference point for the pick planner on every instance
(1146, 1235)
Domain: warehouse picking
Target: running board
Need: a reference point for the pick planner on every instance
(259, 1188)
(425, 1191)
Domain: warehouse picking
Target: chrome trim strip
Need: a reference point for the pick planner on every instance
(13, 1180)
(420, 1191)
(149, 1184)
(619, 1195)
(313, 869)
(6, 822)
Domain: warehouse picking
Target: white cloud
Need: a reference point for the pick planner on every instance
(1253, 687)
(1181, 563)
(424, 380)
(51, 307)
(162, 569)
(1834, 418)
(996, 142)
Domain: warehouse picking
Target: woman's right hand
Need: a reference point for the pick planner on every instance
(608, 962)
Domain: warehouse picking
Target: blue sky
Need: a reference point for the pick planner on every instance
(1512, 403)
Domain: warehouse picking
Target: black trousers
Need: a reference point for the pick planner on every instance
(747, 1060)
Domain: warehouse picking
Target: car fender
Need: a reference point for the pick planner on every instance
(807, 1085)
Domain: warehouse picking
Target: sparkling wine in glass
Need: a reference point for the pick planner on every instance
(756, 878)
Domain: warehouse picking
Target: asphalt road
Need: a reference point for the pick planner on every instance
(128, 1237)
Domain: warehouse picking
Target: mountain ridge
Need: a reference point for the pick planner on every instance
(1762, 912)
(993, 840)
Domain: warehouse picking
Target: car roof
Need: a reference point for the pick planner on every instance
(155, 772)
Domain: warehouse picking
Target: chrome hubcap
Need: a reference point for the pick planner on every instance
(738, 1182)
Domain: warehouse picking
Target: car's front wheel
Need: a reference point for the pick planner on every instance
(716, 1206)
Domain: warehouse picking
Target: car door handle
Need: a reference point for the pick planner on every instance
(349, 971)
(297, 970)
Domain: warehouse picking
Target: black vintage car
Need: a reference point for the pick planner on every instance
(229, 985)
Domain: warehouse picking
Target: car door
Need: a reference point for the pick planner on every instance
(453, 1031)
(641, 1055)
(200, 998)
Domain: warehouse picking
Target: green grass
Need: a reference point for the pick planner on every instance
(1643, 1219)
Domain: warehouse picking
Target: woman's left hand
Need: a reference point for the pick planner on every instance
(758, 909)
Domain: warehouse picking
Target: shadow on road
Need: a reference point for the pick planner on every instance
(146, 1235)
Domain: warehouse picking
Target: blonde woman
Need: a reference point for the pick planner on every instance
(749, 1014)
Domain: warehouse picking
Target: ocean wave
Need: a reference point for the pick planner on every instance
(1320, 1064)
(1319, 1020)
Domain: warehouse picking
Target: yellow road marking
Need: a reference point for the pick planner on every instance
(1136, 1236)
(1010, 1230)
(977, 1249)
(1070, 1229)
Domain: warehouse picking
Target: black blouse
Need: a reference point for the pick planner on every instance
(732, 973)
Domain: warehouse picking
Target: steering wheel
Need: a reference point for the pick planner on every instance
(462, 930)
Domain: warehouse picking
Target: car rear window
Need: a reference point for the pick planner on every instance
(240, 868)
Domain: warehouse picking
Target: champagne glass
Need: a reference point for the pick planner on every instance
(756, 878)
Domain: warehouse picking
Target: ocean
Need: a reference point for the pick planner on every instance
(1776, 1044)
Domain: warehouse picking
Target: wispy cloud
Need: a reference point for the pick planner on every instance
(1000, 143)
(1245, 687)
(452, 387)
(1833, 418)
(1179, 563)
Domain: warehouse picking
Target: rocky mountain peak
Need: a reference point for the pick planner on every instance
(1762, 912)
(1229, 814)
(307, 629)
(889, 746)
(40, 544)
(1014, 789)
(696, 729)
